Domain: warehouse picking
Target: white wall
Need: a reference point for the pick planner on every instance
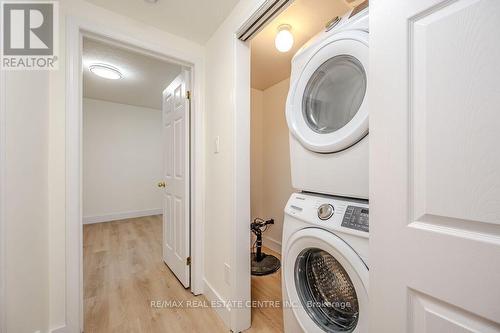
(220, 168)
(141, 33)
(271, 175)
(219, 171)
(25, 206)
(257, 153)
(122, 160)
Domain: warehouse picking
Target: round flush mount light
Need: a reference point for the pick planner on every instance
(151, 1)
(284, 38)
(106, 71)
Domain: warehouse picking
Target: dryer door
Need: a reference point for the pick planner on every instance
(326, 282)
(327, 104)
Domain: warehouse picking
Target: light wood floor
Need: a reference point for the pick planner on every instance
(267, 288)
(123, 272)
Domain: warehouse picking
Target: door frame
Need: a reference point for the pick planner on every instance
(240, 317)
(76, 29)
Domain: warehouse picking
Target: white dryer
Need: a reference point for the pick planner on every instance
(325, 264)
(327, 110)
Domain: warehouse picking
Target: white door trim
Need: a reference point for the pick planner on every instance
(76, 28)
(240, 265)
(241, 282)
(3, 127)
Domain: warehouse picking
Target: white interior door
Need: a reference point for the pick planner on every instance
(435, 166)
(176, 196)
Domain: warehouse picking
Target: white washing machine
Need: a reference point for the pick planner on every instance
(327, 110)
(325, 264)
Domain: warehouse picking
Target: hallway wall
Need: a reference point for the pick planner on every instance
(271, 184)
(122, 161)
(24, 211)
(256, 153)
(221, 217)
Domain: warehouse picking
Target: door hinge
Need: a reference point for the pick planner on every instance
(188, 94)
(188, 261)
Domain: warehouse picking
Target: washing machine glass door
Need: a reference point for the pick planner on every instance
(327, 111)
(327, 282)
(326, 291)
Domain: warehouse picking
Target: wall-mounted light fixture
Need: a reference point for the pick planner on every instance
(284, 38)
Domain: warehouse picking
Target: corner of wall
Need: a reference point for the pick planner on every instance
(61, 329)
(219, 304)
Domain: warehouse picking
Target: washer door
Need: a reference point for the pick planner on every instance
(326, 282)
(327, 107)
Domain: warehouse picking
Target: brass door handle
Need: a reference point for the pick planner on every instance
(162, 184)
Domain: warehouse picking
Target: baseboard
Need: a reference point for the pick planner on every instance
(272, 243)
(61, 329)
(121, 216)
(212, 295)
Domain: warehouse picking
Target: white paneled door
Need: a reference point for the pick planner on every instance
(435, 166)
(175, 184)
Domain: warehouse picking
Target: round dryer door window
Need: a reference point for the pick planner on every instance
(327, 107)
(334, 94)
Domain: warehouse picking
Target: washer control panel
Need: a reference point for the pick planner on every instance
(331, 212)
(356, 218)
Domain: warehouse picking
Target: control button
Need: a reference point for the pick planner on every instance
(325, 211)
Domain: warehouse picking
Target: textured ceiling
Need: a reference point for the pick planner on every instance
(307, 18)
(144, 80)
(195, 20)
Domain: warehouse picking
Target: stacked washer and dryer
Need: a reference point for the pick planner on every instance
(325, 234)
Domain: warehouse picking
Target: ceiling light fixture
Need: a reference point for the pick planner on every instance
(151, 1)
(284, 38)
(106, 71)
